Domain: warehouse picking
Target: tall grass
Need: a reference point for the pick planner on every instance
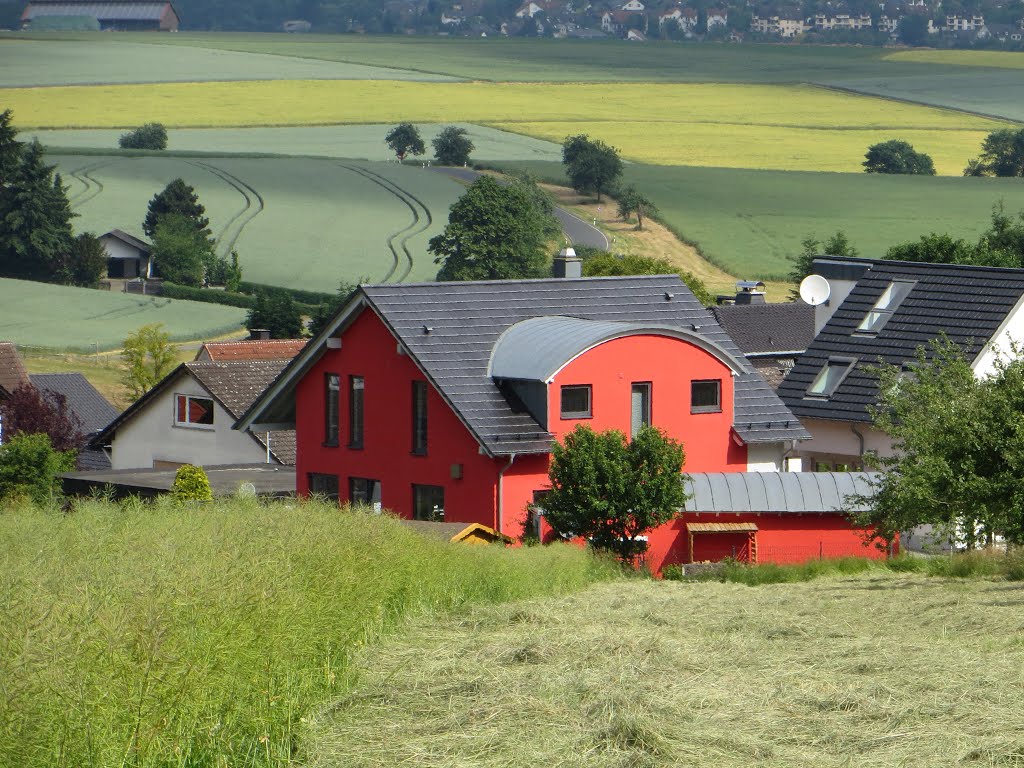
(977, 565)
(161, 636)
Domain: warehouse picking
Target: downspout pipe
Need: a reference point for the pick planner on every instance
(860, 440)
(501, 492)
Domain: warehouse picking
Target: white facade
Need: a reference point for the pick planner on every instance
(770, 457)
(717, 18)
(775, 25)
(136, 262)
(633, 5)
(151, 437)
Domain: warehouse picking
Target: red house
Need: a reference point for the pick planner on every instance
(442, 400)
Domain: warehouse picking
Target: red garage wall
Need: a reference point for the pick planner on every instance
(369, 350)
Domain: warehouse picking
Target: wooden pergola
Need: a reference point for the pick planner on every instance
(749, 528)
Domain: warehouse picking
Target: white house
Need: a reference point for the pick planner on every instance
(633, 6)
(717, 17)
(128, 256)
(188, 417)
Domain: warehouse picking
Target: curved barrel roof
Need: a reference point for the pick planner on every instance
(535, 349)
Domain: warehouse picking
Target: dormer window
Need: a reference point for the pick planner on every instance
(831, 376)
(888, 302)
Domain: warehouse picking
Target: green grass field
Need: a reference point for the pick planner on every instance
(346, 141)
(57, 317)
(533, 60)
(878, 670)
(43, 62)
(749, 222)
(295, 222)
(157, 636)
(745, 126)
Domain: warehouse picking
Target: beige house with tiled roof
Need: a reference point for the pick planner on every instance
(188, 417)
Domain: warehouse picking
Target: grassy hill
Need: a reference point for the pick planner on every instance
(877, 670)
(207, 636)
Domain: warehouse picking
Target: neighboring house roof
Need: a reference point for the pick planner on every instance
(103, 11)
(84, 401)
(968, 304)
(124, 237)
(793, 492)
(234, 385)
(225, 480)
(268, 349)
(12, 370)
(451, 329)
(768, 329)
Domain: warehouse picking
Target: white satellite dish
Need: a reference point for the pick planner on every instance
(815, 290)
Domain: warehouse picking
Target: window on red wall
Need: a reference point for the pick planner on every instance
(706, 396)
(640, 407)
(324, 486)
(419, 418)
(332, 392)
(355, 411)
(428, 503)
(576, 401)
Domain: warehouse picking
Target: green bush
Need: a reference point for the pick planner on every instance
(311, 298)
(148, 136)
(207, 295)
(191, 484)
(29, 467)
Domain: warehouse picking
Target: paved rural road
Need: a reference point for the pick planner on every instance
(576, 229)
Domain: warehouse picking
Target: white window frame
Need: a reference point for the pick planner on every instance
(189, 424)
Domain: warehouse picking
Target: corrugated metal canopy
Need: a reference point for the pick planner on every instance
(777, 491)
(535, 349)
(721, 527)
(101, 11)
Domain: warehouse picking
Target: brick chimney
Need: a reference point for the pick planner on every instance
(750, 292)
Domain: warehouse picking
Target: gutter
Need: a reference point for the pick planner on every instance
(501, 492)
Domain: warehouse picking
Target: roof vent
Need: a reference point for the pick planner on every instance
(669, 296)
(427, 329)
(567, 264)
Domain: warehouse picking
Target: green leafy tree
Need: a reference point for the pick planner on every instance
(974, 168)
(277, 312)
(812, 248)
(35, 220)
(404, 139)
(191, 484)
(1002, 154)
(176, 198)
(180, 252)
(86, 264)
(897, 157)
(958, 448)
(148, 136)
(913, 29)
(325, 311)
(633, 201)
(29, 467)
(934, 249)
(604, 264)
(612, 490)
(147, 356)
(452, 146)
(529, 185)
(494, 232)
(591, 165)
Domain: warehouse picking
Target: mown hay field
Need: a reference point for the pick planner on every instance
(160, 635)
(877, 670)
(732, 116)
(295, 222)
(44, 62)
(60, 318)
(749, 222)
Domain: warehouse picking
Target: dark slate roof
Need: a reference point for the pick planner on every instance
(12, 370)
(966, 303)
(235, 385)
(768, 329)
(808, 492)
(131, 240)
(266, 479)
(85, 402)
(466, 319)
(131, 11)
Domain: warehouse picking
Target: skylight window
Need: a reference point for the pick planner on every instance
(831, 376)
(887, 303)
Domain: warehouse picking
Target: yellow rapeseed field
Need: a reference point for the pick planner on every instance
(998, 59)
(750, 126)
